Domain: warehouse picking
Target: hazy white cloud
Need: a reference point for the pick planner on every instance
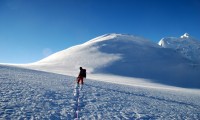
(46, 52)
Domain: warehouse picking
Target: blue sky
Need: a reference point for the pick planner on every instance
(32, 29)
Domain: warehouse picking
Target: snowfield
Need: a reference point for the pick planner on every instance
(30, 94)
(128, 78)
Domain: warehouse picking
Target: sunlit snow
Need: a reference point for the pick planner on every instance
(128, 77)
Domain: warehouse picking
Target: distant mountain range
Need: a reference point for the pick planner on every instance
(173, 61)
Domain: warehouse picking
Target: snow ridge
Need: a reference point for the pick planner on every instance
(186, 45)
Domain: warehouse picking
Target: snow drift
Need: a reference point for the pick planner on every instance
(126, 55)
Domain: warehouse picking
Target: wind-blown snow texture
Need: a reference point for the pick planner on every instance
(129, 56)
(30, 94)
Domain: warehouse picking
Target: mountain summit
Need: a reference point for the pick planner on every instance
(97, 53)
(186, 35)
(186, 45)
(127, 55)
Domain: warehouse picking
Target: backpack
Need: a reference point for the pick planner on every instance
(83, 73)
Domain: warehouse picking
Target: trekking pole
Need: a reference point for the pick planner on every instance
(76, 80)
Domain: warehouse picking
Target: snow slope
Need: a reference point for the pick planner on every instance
(124, 55)
(30, 94)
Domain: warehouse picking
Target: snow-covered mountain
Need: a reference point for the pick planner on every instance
(124, 55)
(32, 94)
(185, 45)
